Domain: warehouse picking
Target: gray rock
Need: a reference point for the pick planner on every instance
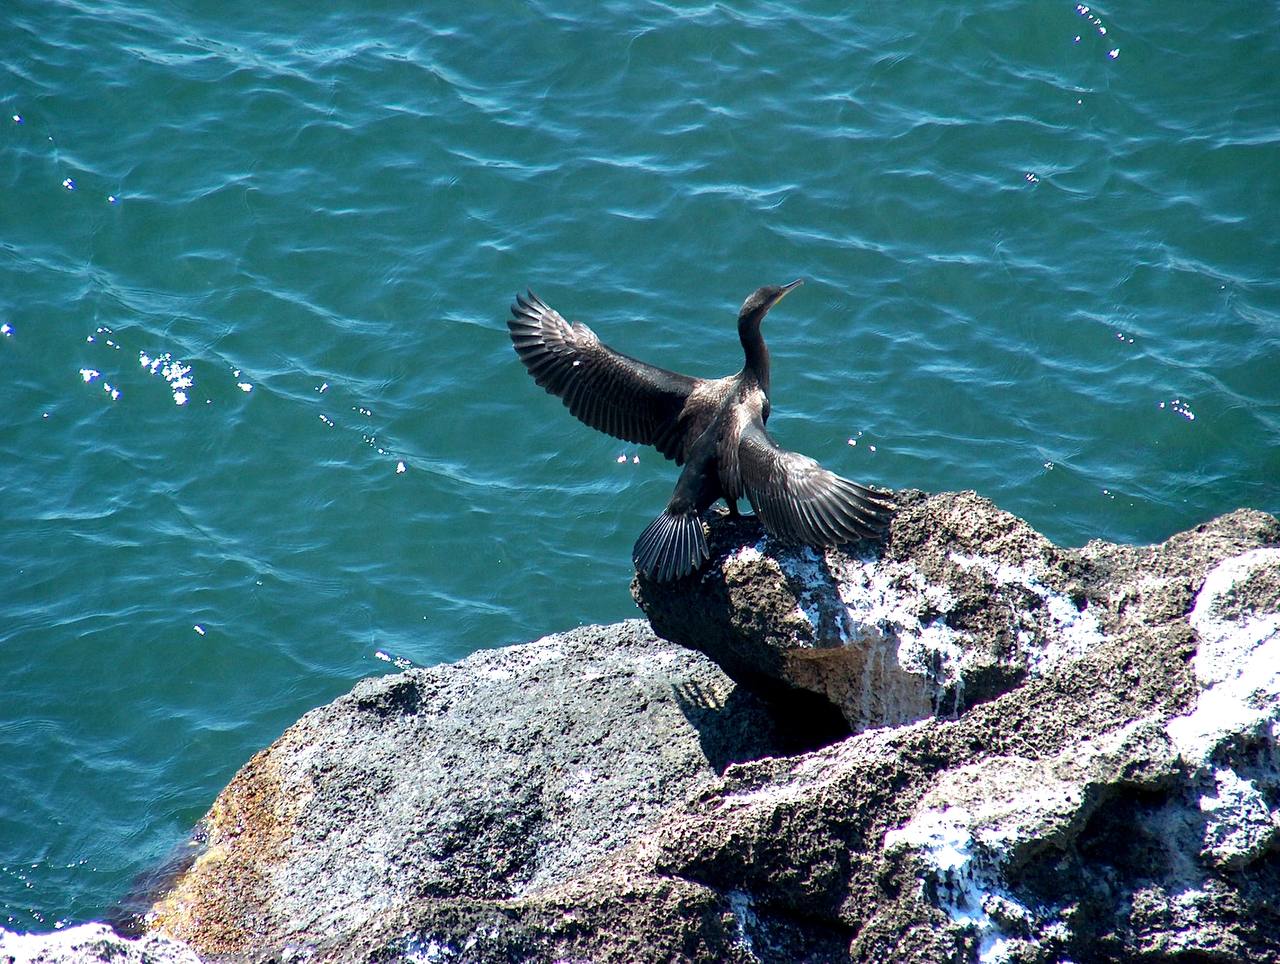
(1116, 796)
(1056, 754)
(507, 774)
(963, 603)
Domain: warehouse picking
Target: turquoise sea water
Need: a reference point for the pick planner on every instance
(262, 431)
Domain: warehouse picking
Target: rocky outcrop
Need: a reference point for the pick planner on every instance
(962, 604)
(1034, 754)
(1094, 770)
(486, 784)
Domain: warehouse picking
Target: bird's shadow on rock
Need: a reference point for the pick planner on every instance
(762, 716)
(744, 726)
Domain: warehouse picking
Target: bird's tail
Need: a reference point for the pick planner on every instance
(671, 546)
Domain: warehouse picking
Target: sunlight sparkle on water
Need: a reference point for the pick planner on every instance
(1094, 19)
(172, 371)
(1181, 407)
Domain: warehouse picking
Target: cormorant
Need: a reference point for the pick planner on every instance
(714, 427)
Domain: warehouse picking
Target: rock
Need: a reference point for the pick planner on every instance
(507, 774)
(963, 603)
(1055, 754)
(1116, 792)
(90, 943)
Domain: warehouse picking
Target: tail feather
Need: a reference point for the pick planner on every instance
(671, 546)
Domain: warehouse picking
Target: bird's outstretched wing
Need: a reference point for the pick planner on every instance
(800, 501)
(604, 388)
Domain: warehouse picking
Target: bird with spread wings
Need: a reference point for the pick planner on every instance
(714, 428)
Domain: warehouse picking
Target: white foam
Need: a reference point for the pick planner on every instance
(1237, 663)
(966, 874)
(1238, 825)
(879, 612)
(429, 952)
(744, 916)
(876, 606)
(1066, 634)
(978, 814)
(399, 662)
(90, 942)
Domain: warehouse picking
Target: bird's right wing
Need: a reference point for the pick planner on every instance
(800, 501)
(603, 388)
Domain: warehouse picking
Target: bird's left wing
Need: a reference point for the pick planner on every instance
(798, 500)
(604, 388)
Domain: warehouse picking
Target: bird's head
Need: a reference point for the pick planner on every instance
(761, 300)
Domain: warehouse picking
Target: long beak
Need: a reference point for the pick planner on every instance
(786, 290)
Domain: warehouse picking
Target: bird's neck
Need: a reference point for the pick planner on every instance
(757, 355)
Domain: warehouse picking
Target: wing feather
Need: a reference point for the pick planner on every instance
(603, 388)
(800, 501)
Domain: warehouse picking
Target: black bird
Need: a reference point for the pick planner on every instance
(714, 427)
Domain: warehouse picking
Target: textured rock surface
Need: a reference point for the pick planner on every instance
(1115, 792)
(506, 774)
(962, 603)
(1061, 755)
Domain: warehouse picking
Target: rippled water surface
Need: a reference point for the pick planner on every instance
(263, 433)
